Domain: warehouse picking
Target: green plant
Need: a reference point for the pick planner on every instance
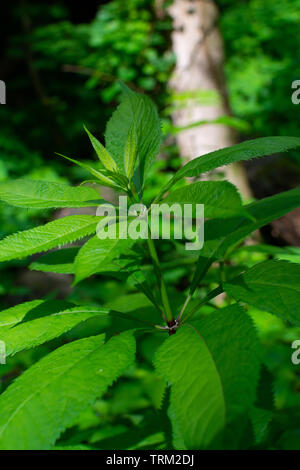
(208, 356)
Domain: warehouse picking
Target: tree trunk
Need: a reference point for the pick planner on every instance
(199, 51)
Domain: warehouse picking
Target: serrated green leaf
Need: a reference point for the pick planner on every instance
(56, 233)
(212, 366)
(138, 110)
(244, 151)
(37, 331)
(130, 152)
(13, 315)
(197, 398)
(43, 195)
(31, 310)
(49, 397)
(103, 179)
(103, 154)
(220, 235)
(272, 286)
(59, 261)
(97, 255)
(220, 198)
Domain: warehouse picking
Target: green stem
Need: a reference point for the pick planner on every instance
(161, 282)
(211, 295)
(162, 287)
(187, 301)
(222, 271)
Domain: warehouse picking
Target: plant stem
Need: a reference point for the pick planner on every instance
(162, 287)
(211, 295)
(187, 301)
(163, 291)
(222, 271)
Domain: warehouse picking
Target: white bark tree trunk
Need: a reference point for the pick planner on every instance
(198, 46)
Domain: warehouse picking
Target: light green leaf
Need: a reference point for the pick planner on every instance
(130, 153)
(103, 154)
(13, 315)
(43, 195)
(212, 366)
(35, 332)
(245, 151)
(197, 398)
(103, 179)
(220, 198)
(59, 261)
(135, 110)
(272, 286)
(97, 255)
(56, 233)
(49, 397)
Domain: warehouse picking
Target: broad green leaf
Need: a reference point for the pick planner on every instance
(43, 195)
(59, 261)
(197, 398)
(49, 397)
(56, 233)
(135, 110)
(220, 198)
(35, 332)
(130, 152)
(13, 315)
(102, 153)
(103, 179)
(231, 336)
(221, 235)
(272, 286)
(97, 255)
(245, 151)
(212, 366)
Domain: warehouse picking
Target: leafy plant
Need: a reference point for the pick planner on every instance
(208, 356)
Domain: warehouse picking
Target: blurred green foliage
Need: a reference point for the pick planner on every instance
(262, 47)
